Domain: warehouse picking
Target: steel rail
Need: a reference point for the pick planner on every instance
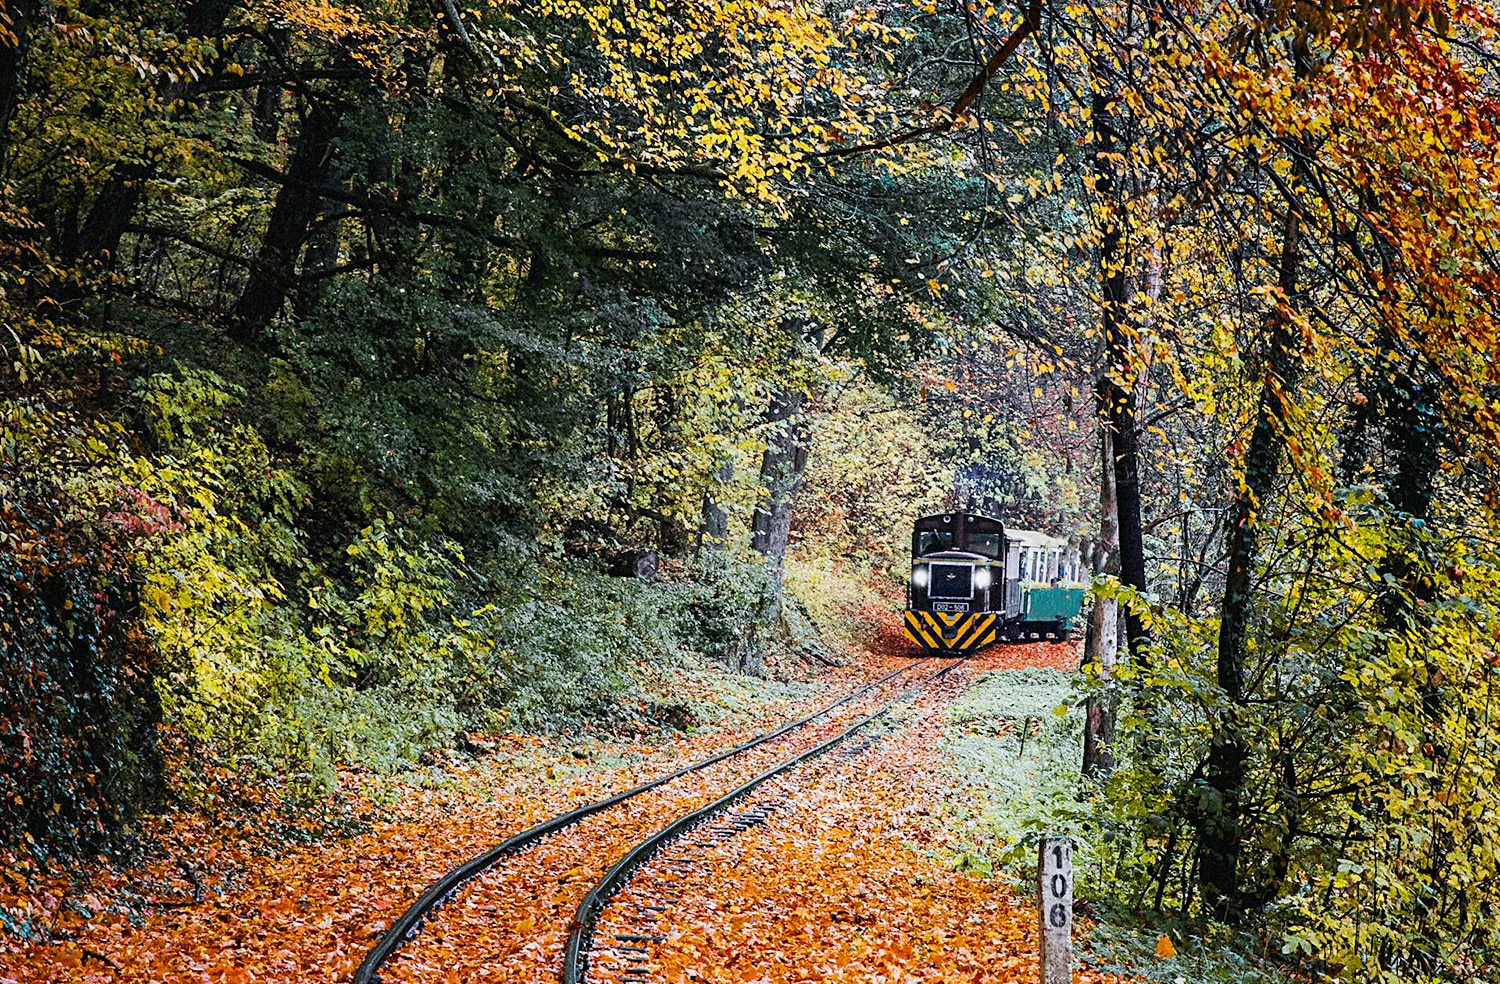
(410, 921)
(575, 959)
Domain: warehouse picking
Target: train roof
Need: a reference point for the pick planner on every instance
(1034, 538)
(1028, 538)
(945, 516)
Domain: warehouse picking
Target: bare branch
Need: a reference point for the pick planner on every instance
(958, 111)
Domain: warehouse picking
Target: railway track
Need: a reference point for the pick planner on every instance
(406, 927)
(580, 937)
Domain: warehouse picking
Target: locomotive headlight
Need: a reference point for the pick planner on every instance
(919, 576)
(982, 578)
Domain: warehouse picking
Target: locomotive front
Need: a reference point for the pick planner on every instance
(955, 596)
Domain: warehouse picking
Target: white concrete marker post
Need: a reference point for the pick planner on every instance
(1055, 880)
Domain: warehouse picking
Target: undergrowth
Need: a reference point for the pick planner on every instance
(1018, 759)
(1014, 744)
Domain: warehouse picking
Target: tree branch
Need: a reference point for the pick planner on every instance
(1029, 24)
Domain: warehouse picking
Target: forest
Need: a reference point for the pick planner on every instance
(389, 382)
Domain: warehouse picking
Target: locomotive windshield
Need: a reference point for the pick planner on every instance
(934, 541)
(985, 543)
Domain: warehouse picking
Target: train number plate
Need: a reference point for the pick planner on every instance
(950, 606)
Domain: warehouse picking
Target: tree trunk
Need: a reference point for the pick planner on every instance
(714, 533)
(781, 472)
(673, 535)
(324, 247)
(1220, 832)
(265, 112)
(1101, 646)
(297, 204)
(1220, 823)
(1413, 440)
(1120, 397)
(111, 213)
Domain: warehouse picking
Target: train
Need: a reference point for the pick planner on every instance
(976, 582)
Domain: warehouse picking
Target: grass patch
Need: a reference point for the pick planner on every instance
(1016, 759)
(1120, 945)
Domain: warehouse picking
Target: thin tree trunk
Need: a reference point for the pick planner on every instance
(324, 248)
(1220, 826)
(673, 537)
(113, 208)
(781, 471)
(714, 533)
(1120, 396)
(1101, 646)
(1413, 439)
(265, 113)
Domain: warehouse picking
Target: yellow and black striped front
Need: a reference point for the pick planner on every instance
(952, 633)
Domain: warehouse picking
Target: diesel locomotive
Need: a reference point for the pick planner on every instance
(975, 581)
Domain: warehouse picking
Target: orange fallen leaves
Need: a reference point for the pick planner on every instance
(861, 899)
(541, 888)
(838, 884)
(275, 914)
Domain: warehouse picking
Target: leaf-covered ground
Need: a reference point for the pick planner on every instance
(845, 879)
(512, 922)
(836, 876)
(295, 896)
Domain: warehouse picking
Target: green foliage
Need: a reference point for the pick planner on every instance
(77, 708)
(1124, 944)
(859, 506)
(411, 646)
(348, 349)
(1369, 769)
(1015, 741)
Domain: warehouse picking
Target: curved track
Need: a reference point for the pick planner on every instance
(410, 921)
(575, 956)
